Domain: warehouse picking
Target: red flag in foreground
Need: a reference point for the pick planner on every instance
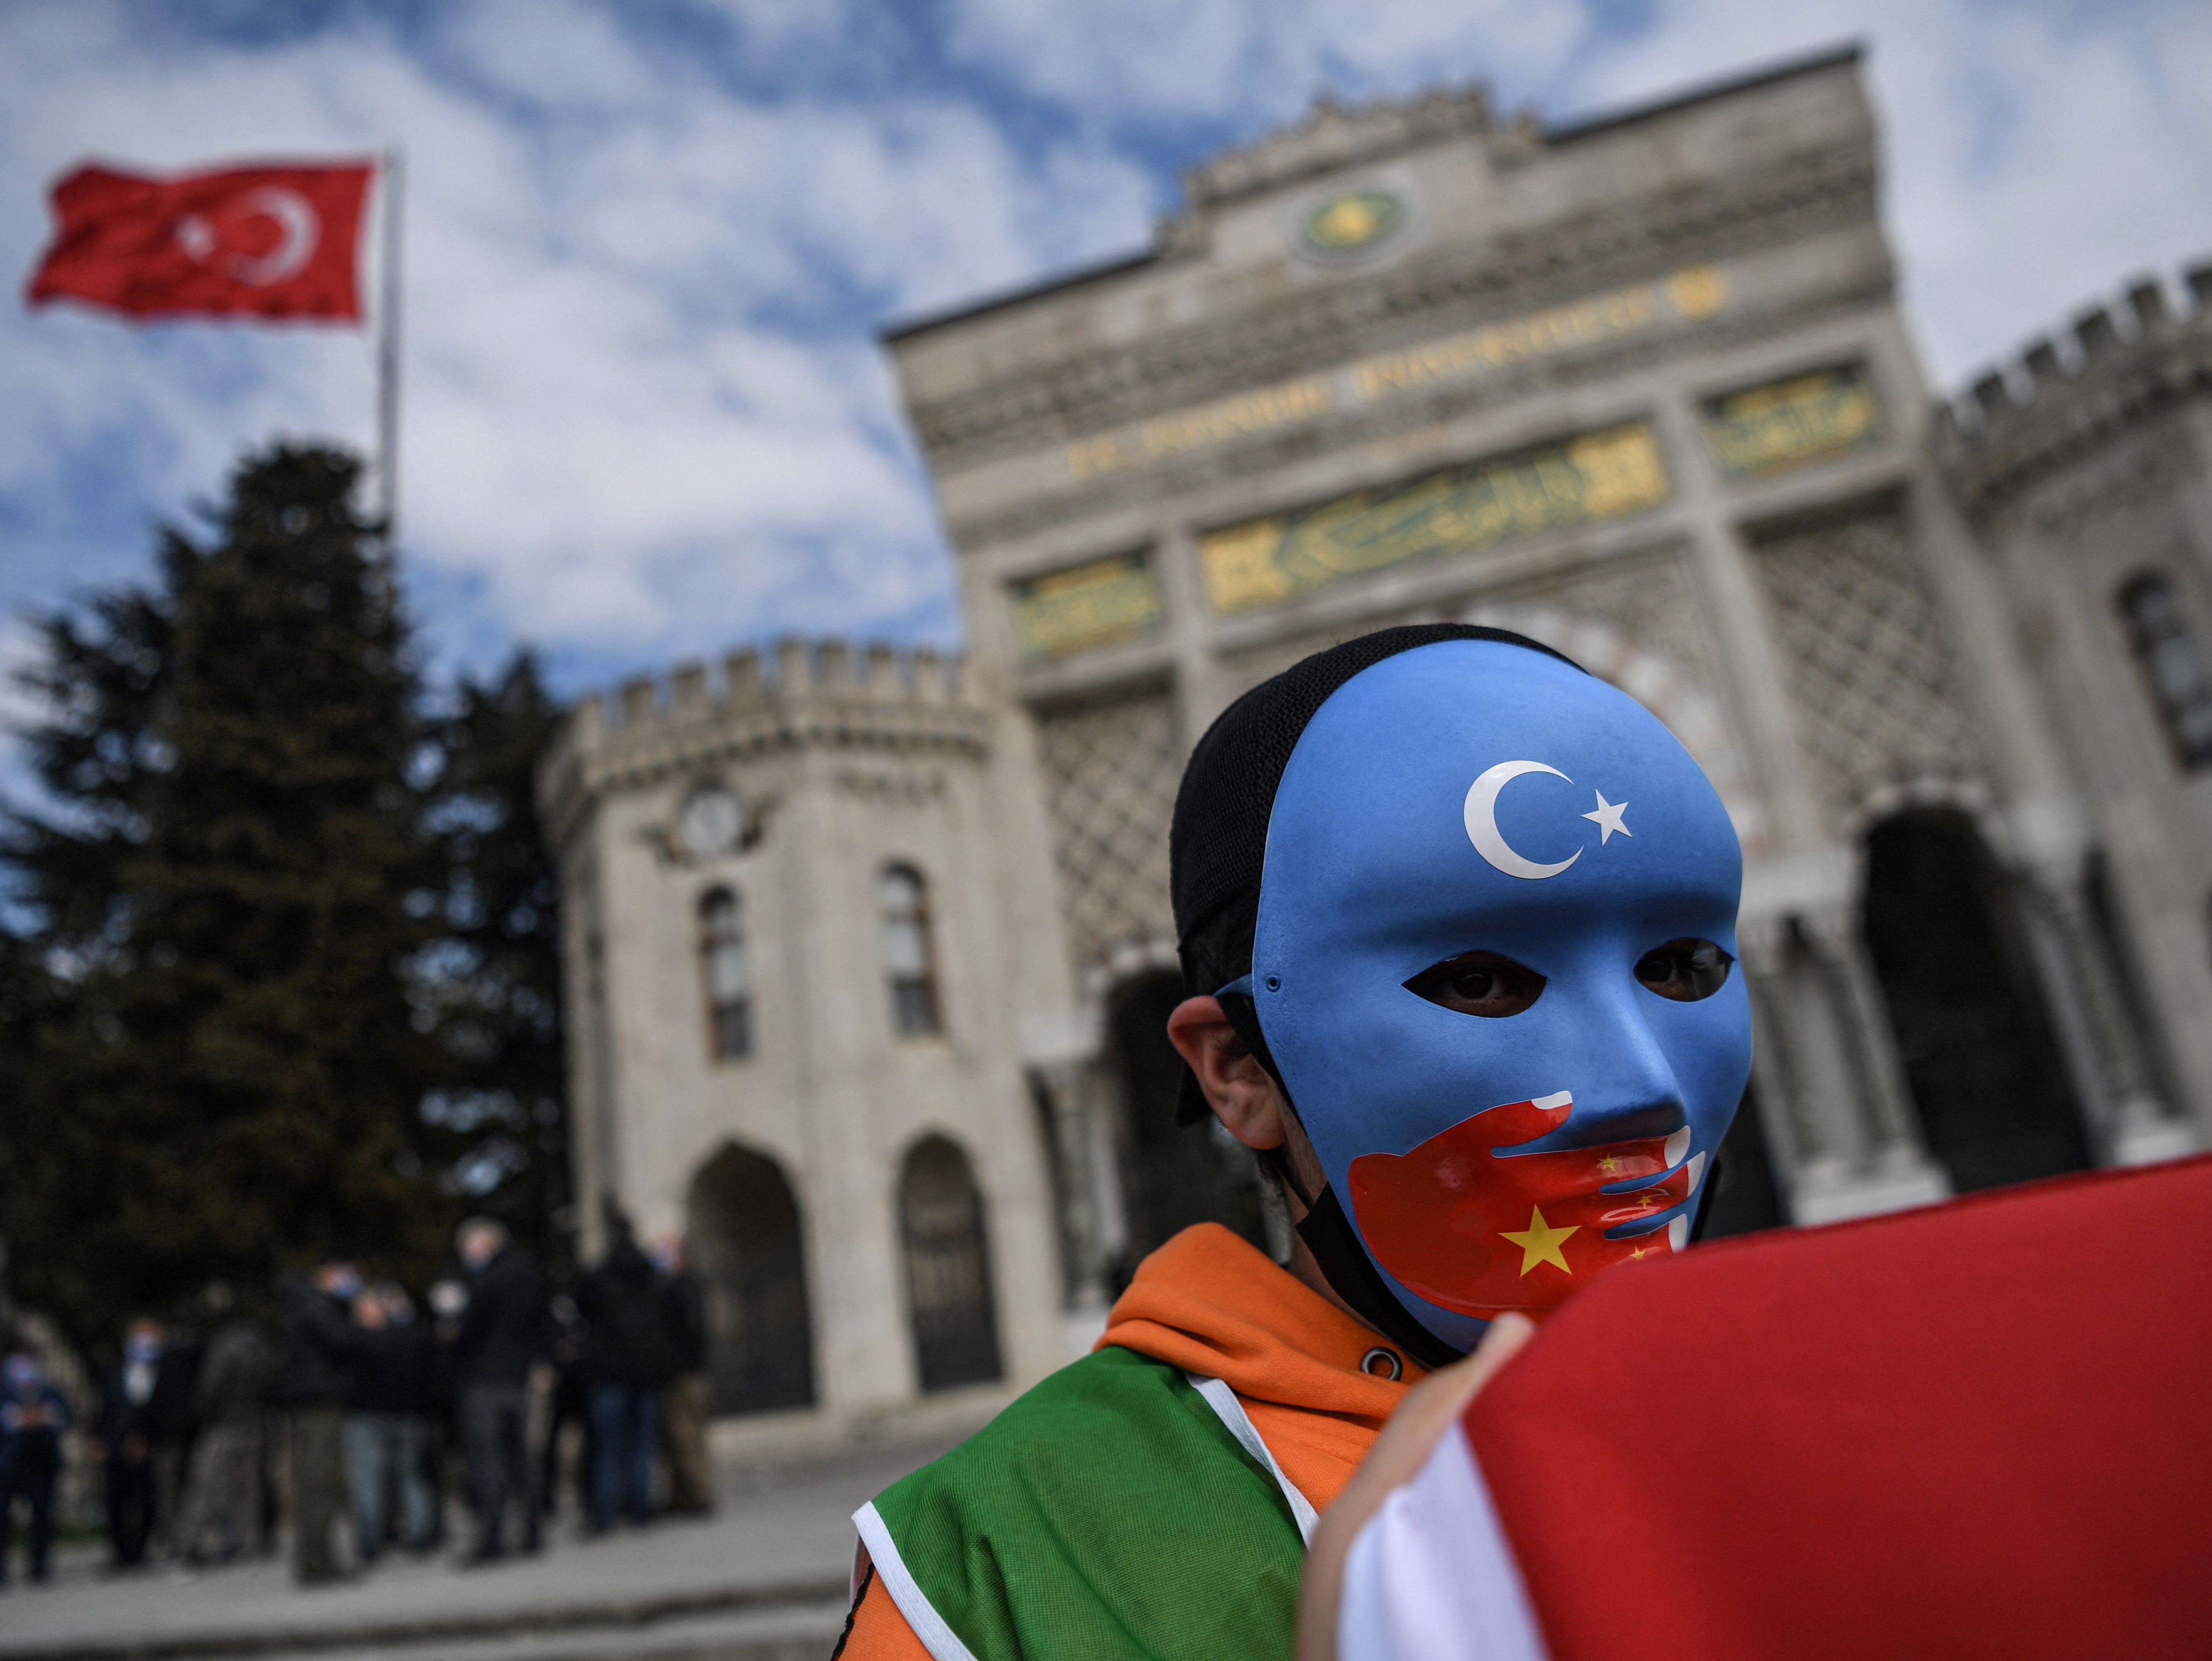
(1984, 1428)
(277, 241)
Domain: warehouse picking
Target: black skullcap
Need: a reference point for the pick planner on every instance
(1219, 837)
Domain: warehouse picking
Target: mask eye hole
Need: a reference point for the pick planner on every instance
(1683, 970)
(1478, 983)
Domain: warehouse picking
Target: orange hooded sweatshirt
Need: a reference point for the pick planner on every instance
(1209, 1303)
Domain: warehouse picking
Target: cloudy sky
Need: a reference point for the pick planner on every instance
(649, 243)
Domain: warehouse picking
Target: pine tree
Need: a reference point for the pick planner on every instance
(493, 979)
(225, 1081)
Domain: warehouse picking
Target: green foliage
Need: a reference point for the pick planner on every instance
(490, 985)
(271, 925)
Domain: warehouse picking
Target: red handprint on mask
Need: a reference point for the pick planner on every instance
(1472, 1232)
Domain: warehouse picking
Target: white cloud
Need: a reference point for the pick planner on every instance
(646, 414)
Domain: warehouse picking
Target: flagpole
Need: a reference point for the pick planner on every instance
(387, 358)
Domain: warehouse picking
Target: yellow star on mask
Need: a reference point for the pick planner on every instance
(1540, 1242)
(1608, 1164)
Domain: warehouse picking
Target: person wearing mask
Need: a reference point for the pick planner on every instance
(502, 1341)
(1456, 921)
(222, 1492)
(144, 1411)
(384, 1426)
(627, 1361)
(32, 1415)
(321, 1347)
(683, 1403)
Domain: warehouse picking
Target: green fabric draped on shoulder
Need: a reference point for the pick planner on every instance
(1108, 1513)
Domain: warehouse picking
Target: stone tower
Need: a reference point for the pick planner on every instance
(792, 908)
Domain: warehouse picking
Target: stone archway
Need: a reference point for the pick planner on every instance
(1988, 1077)
(948, 1268)
(747, 1245)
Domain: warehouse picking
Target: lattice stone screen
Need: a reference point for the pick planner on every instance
(1110, 772)
(1864, 652)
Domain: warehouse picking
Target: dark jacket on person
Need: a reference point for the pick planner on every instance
(626, 1338)
(398, 1370)
(683, 1318)
(164, 1416)
(507, 1328)
(237, 1375)
(321, 1346)
(27, 1448)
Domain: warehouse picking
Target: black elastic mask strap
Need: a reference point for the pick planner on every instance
(1345, 1266)
(1326, 1229)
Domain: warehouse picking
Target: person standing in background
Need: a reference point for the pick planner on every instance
(223, 1494)
(384, 1427)
(320, 1348)
(683, 1403)
(627, 1361)
(32, 1415)
(503, 1339)
(143, 1413)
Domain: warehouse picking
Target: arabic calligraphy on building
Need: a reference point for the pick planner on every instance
(1791, 423)
(1089, 605)
(1692, 294)
(1598, 476)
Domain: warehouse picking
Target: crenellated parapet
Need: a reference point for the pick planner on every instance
(805, 695)
(2115, 367)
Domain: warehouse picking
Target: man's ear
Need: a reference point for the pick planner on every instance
(1236, 1087)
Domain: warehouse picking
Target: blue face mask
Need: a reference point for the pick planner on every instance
(1493, 963)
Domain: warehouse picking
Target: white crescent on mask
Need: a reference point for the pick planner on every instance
(302, 228)
(1482, 821)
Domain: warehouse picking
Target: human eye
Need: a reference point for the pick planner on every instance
(1683, 970)
(1478, 983)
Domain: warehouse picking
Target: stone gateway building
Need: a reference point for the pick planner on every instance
(869, 957)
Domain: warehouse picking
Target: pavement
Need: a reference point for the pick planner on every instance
(762, 1579)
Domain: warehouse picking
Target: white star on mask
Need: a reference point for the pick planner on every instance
(1607, 819)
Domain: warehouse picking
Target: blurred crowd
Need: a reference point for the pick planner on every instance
(364, 1419)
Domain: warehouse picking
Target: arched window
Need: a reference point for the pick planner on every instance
(728, 968)
(2172, 665)
(904, 902)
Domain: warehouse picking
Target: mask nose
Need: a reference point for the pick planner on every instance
(1625, 1085)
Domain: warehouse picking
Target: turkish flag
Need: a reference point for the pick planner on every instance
(274, 241)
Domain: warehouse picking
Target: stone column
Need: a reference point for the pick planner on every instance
(1887, 1166)
(1801, 1144)
(1075, 1149)
(2103, 1051)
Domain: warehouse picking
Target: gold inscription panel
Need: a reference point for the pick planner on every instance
(1694, 294)
(1598, 476)
(1089, 605)
(1792, 423)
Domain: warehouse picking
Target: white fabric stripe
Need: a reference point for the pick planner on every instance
(939, 1640)
(1231, 1411)
(1430, 1577)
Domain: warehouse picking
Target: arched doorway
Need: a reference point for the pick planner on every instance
(1177, 1175)
(1987, 1075)
(745, 1242)
(948, 1268)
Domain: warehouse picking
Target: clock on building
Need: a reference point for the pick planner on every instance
(711, 822)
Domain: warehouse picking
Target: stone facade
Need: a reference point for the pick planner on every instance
(1639, 389)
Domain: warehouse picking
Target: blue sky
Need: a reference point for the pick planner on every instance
(650, 243)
